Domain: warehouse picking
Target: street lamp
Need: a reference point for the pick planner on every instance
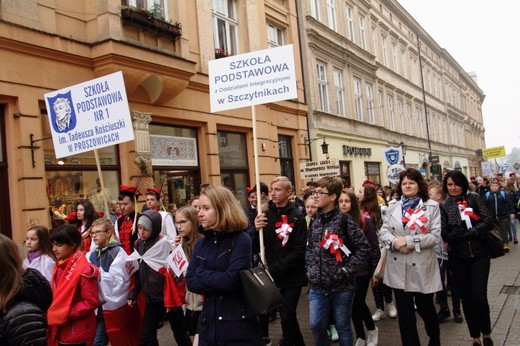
(403, 150)
(324, 146)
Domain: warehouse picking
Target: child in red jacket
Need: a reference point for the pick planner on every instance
(71, 316)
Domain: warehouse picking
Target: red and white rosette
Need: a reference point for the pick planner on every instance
(284, 229)
(467, 213)
(334, 244)
(415, 219)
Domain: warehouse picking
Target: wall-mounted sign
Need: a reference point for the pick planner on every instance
(319, 169)
(349, 150)
(173, 151)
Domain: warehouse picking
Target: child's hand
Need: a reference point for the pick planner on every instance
(130, 302)
(375, 281)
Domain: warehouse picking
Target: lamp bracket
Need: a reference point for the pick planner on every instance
(34, 147)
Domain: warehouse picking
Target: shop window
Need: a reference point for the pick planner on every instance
(175, 163)
(286, 157)
(75, 177)
(372, 172)
(344, 172)
(234, 171)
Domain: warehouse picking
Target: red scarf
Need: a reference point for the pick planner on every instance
(63, 290)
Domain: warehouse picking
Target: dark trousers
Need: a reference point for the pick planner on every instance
(153, 314)
(408, 322)
(291, 333)
(360, 310)
(471, 275)
(178, 327)
(446, 274)
(382, 293)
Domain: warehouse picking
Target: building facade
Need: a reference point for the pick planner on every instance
(162, 48)
(376, 79)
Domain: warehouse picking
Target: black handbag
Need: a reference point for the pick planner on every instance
(493, 244)
(259, 290)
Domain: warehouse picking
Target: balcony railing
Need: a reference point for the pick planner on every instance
(146, 21)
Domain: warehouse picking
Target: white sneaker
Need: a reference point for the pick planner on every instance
(392, 311)
(361, 342)
(372, 337)
(333, 333)
(378, 315)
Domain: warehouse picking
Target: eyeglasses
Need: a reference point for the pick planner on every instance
(180, 223)
(320, 193)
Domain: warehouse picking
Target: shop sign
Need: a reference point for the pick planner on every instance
(173, 151)
(89, 115)
(347, 149)
(254, 78)
(319, 169)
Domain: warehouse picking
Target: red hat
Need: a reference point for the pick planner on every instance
(154, 190)
(512, 174)
(71, 217)
(130, 191)
(249, 190)
(368, 182)
(472, 177)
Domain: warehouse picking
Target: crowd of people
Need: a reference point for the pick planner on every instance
(97, 280)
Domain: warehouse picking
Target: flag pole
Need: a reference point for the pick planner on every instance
(257, 179)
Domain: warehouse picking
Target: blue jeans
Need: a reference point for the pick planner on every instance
(101, 338)
(319, 308)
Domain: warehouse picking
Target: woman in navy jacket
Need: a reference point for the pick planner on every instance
(217, 259)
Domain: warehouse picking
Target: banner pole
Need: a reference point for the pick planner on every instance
(102, 183)
(257, 179)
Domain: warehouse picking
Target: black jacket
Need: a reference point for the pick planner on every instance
(286, 263)
(464, 242)
(25, 322)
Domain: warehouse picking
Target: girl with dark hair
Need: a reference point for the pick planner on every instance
(25, 296)
(71, 316)
(86, 214)
(411, 230)
(349, 203)
(469, 259)
(39, 255)
(382, 294)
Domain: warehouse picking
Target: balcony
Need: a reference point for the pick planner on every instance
(146, 21)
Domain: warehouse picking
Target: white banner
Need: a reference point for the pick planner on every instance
(89, 115)
(319, 169)
(252, 78)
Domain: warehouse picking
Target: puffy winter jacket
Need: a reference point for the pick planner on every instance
(24, 323)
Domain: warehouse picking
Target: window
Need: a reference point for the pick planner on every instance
(391, 119)
(357, 99)
(403, 63)
(362, 33)
(394, 59)
(286, 157)
(274, 36)
(225, 26)
(400, 115)
(322, 86)
(410, 118)
(385, 53)
(315, 9)
(420, 122)
(381, 108)
(340, 93)
(372, 172)
(370, 104)
(344, 172)
(350, 24)
(331, 14)
(157, 7)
